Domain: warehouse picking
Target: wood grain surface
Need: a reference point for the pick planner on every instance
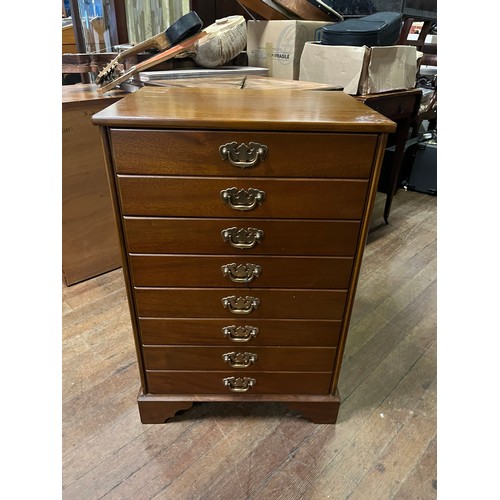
(269, 359)
(197, 153)
(214, 108)
(267, 9)
(211, 382)
(384, 442)
(90, 244)
(206, 270)
(304, 10)
(207, 303)
(271, 332)
(203, 236)
(201, 197)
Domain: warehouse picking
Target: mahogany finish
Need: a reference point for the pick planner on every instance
(265, 10)
(278, 333)
(275, 358)
(272, 382)
(284, 198)
(90, 244)
(208, 331)
(207, 303)
(203, 236)
(389, 367)
(403, 107)
(205, 270)
(237, 110)
(294, 154)
(317, 408)
(304, 10)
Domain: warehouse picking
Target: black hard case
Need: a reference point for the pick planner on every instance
(380, 29)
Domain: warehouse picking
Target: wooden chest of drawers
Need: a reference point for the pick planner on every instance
(243, 217)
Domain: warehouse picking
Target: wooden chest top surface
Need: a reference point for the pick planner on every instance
(244, 109)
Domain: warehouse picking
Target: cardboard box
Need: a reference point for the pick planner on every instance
(278, 45)
(360, 70)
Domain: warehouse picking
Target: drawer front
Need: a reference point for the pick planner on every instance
(168, 152)
(237, 271)
(242, 359)
(268, 237)
(258, 198)
(200, 382)
(231, 303)
(238, 332)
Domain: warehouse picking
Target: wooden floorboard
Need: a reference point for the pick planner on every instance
(382, 447)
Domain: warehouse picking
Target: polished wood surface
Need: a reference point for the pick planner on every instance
(215, 108)
(203, 236)
(205, 270)
(207, 303)
(403, 108)
(211, 358)
(271, 332)
(244, 82)
(304, 10)
(179, 382)
(266, 10)
(197, 153)
(68, 40)
(322, 409)
(182, 213)
(90, 244)
(389, 368)
(74, 95)
(201, 197)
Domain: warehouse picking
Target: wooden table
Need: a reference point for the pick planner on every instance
(402, 107)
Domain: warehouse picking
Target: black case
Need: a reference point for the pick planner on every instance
(380, 29)
(423, 176)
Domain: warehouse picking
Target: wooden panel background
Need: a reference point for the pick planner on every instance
(90, 243)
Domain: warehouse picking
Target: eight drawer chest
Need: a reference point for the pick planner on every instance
(243, 216)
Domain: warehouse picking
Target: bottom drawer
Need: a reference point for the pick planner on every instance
(235, 382)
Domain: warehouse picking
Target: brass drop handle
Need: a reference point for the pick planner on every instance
(239, 359)
(241, 237)
(243, 199)
(241, 273)
(239, 384)
(240, 305)
(243, 156)
(240, 333)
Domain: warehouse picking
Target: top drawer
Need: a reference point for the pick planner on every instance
(291, 154)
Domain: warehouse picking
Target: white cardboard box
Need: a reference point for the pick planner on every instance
(278, 45)
(360, 70)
